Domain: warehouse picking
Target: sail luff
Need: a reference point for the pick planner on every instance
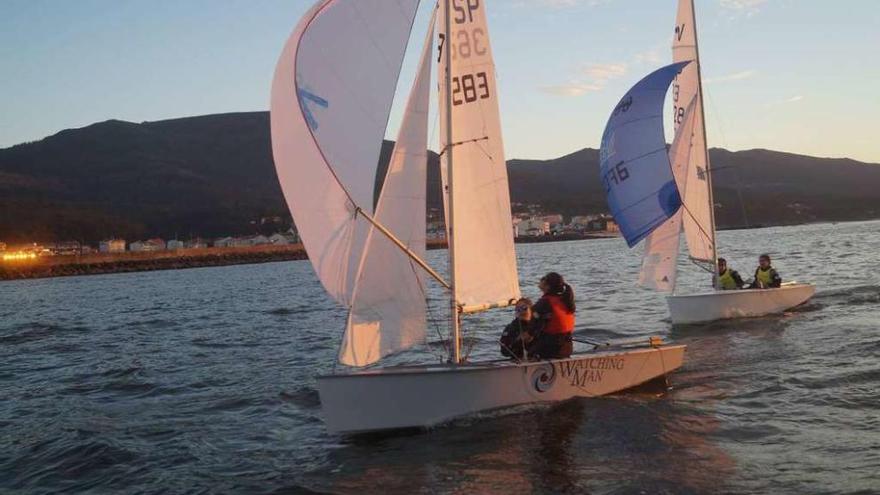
(455, 317)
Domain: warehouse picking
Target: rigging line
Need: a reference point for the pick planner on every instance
(720, 126)
(427, 307)
(443, 151)
(694, 218)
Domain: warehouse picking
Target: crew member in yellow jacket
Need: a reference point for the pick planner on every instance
(727, 278)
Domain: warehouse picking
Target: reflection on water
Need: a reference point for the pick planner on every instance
(202, 381)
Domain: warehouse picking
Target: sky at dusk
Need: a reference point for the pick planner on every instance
(789, 75)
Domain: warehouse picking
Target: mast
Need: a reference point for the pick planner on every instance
(455, 323)
(706, 146)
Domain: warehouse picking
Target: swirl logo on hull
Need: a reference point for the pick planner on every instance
(543, 377)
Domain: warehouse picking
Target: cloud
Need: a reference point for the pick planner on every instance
(650, 56)
(593, 77)
(747, 8)
(793, 99)
(573, 89)
(601, 73)
(736, 76)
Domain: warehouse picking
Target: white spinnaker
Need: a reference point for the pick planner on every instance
(388, 308)
(485, 261)
(660, 260)
(331, 97)
(698, 215)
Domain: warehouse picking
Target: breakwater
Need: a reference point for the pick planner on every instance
(98, 263)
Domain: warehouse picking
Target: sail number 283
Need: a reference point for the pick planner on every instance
(469, 88)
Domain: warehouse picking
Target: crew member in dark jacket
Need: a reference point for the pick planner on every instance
(727, 278)
(518, 334)
(766, 276)
(555, 315)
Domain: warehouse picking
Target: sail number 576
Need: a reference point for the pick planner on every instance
(615, 174)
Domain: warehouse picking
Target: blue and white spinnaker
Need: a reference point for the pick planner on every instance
(633, 160)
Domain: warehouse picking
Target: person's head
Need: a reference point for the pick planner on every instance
(554, 284)
(722, 265)
(764, 261)
(523, 309)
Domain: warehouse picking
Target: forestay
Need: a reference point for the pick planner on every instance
(331, 97)
(698, 216)
(659, 264)
(482, 237)
(633, 161)
(388, 309)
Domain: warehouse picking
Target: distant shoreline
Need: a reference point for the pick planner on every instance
(127, 262)
(102, 263)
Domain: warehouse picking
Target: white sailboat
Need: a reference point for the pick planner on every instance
(331, 99)
(696, 219)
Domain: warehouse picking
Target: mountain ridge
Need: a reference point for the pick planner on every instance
(213, 175)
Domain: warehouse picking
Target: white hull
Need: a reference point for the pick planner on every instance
(428, 395)
(720, 305)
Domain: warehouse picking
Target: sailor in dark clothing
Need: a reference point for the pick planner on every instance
(727, 278)
(766, 276)
(518, 334)
(555, 314)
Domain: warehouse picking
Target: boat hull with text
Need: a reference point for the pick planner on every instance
(722, 305)
(424, 396)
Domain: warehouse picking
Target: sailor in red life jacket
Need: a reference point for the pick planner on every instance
(555, 314)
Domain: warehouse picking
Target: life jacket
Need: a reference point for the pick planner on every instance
(561, 320)
(764, 277)
(726, 280)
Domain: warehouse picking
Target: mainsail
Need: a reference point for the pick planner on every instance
(481, 238)
(633, 159)
(331, 97)
(698, 218)
(661, 246)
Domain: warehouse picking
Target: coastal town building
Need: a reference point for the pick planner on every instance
(197, 243)
(112, 246)
(149, 245)
(533, 227)
(283, 239)
(65, 248)
(174, 244)
(258, 240)
(223, 242)
(2, 246)
(435, 230)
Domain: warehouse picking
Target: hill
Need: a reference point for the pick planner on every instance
(213, 175)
